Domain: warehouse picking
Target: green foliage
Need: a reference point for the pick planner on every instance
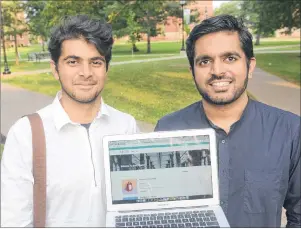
(232, 8)
(38, 22)
(264, 17)
(13, 24)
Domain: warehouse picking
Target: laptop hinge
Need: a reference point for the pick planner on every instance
(163, 209)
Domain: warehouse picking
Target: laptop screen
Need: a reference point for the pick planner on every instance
(160, 169)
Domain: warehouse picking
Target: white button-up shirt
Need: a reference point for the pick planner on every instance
(75, 174)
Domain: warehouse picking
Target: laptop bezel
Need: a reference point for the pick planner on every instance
(167, 204)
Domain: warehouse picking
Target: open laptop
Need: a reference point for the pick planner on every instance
(163, 179)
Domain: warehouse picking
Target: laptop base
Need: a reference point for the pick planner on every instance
(211, 216)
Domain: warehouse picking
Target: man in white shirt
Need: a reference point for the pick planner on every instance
(74, 125)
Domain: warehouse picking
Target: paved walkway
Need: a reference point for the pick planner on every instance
(275, 91)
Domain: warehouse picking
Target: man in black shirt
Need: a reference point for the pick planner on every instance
(258, 145)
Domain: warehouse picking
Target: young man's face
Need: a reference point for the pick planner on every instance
(81, 71)
(220, 67)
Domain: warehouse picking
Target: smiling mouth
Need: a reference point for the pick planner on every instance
(85, 85)
(220, 85)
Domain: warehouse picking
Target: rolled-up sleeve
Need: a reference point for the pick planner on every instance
(16, 179)
(292, 202)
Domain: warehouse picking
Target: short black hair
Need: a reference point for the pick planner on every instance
(217, 24)
(93, 31)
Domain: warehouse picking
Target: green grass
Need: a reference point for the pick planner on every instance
(289, 48)
(26, 66)
(156, 48)
(276, 43)
(295, 47)
(10, 52)
(118, 58)
(31, 66)
(284, 65)
(148, 91)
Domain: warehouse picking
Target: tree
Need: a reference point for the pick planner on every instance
(149, 13)
(258, 15)
(152, 13)
(265, 17)
(124, 21)
(38, 23)
(56, 10)
(232, 8)
(13, 22)
(288, 15)
(136, 17)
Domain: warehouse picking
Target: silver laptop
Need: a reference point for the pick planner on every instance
(163, 179)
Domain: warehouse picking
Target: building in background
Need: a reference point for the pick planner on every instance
(172, 29)
(22, 39)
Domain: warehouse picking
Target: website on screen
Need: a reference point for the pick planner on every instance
(162, 169)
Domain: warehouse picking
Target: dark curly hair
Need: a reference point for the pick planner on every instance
(93, 31)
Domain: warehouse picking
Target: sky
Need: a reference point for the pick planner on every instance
(217, 3)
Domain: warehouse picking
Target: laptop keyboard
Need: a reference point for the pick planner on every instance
(204, 218)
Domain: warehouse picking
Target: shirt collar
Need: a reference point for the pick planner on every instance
(246, 114)
(61, 118)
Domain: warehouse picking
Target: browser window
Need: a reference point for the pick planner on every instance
(160, 169)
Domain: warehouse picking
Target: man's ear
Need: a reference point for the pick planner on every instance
(252, 67)
(54, 71)
(107, 72)
(191, 71)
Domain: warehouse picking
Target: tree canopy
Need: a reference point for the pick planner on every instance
(264, 17)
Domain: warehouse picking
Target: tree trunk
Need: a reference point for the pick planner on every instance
(257, 39)
(16, 49)
(134, 47)
(148, 41)
(43, 45)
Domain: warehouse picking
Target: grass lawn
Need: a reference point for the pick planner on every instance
(296, 47)
(156, 48)
(148, 91)
(32, 65)
(284, 65)
(10, 52)
(275, 43)
(25, 66)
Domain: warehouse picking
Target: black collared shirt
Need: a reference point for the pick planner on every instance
(259, 163)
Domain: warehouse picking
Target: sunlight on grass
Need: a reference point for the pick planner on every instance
(284, 65)
(147, 91)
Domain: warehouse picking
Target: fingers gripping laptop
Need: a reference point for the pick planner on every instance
(163, 179)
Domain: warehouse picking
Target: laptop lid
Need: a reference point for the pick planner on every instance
(161, 170)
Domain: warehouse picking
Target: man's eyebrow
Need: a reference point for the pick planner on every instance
(224, 54)
(230, 54)
(98, 58)
(202, 57)
(72, 57)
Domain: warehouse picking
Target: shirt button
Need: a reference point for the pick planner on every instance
(223, 141)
